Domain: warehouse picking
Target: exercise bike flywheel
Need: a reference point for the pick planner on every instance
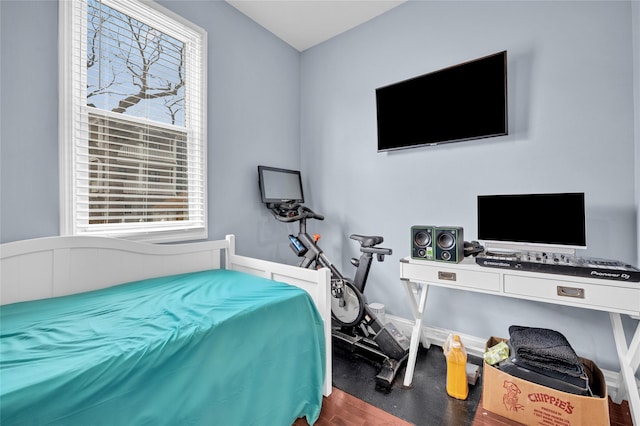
(347, 303)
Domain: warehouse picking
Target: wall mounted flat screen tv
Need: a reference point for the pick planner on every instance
(279, 186)
(459, 103)
(554, 219)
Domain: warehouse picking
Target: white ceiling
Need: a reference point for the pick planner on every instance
(305, 23)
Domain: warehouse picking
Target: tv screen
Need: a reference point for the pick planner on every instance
(280, 185)
(556, 219)
(462, 102)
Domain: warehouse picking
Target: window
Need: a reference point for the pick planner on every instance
(132, 122)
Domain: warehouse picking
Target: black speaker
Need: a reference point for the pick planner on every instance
(422, 238)
(449, 244)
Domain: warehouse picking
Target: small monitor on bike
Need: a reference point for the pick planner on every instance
(279, 186)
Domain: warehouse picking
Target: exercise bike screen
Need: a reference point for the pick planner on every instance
(280, 185)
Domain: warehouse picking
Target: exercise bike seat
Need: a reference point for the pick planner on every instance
(367, 241)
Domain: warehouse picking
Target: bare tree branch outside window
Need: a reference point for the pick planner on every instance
(138, 168)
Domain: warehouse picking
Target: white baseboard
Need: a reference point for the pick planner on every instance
(436, 336)
(476, 345)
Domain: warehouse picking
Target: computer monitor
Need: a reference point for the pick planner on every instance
(279, 186)
(545, 221)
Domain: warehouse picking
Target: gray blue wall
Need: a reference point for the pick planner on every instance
(571, 86)
(571, 120)
(636, 78)
(28, 120)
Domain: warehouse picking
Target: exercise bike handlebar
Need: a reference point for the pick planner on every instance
(293, 212)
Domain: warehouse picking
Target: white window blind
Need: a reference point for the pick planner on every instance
(132, 131)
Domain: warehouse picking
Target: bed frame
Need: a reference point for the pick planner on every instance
(57, 266)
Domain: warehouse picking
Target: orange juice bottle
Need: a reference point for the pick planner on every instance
(457, 385)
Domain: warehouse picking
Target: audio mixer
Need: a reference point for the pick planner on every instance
(555, 263)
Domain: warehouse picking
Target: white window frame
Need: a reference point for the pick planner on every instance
(73, 122)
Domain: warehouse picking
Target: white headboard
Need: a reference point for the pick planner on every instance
(57, 266)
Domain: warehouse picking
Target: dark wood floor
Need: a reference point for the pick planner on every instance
(356, 402)
(342, 409)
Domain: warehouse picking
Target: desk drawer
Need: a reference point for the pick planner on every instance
(439, 274)
(606, 296)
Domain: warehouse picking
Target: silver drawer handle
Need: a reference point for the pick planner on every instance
(447, 276)
(570, 292)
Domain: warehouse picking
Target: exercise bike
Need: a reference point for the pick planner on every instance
(354, 326)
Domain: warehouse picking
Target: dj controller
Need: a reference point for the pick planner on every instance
(554, 263)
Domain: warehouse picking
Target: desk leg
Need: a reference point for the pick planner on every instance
(418, 311)
(629, 358)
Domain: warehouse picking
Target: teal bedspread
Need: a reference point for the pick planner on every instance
(208, 348)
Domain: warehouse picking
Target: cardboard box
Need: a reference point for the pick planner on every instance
(532, 404)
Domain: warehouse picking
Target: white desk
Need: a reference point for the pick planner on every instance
(614, 297)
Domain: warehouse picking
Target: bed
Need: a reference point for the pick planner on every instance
(105, 331)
